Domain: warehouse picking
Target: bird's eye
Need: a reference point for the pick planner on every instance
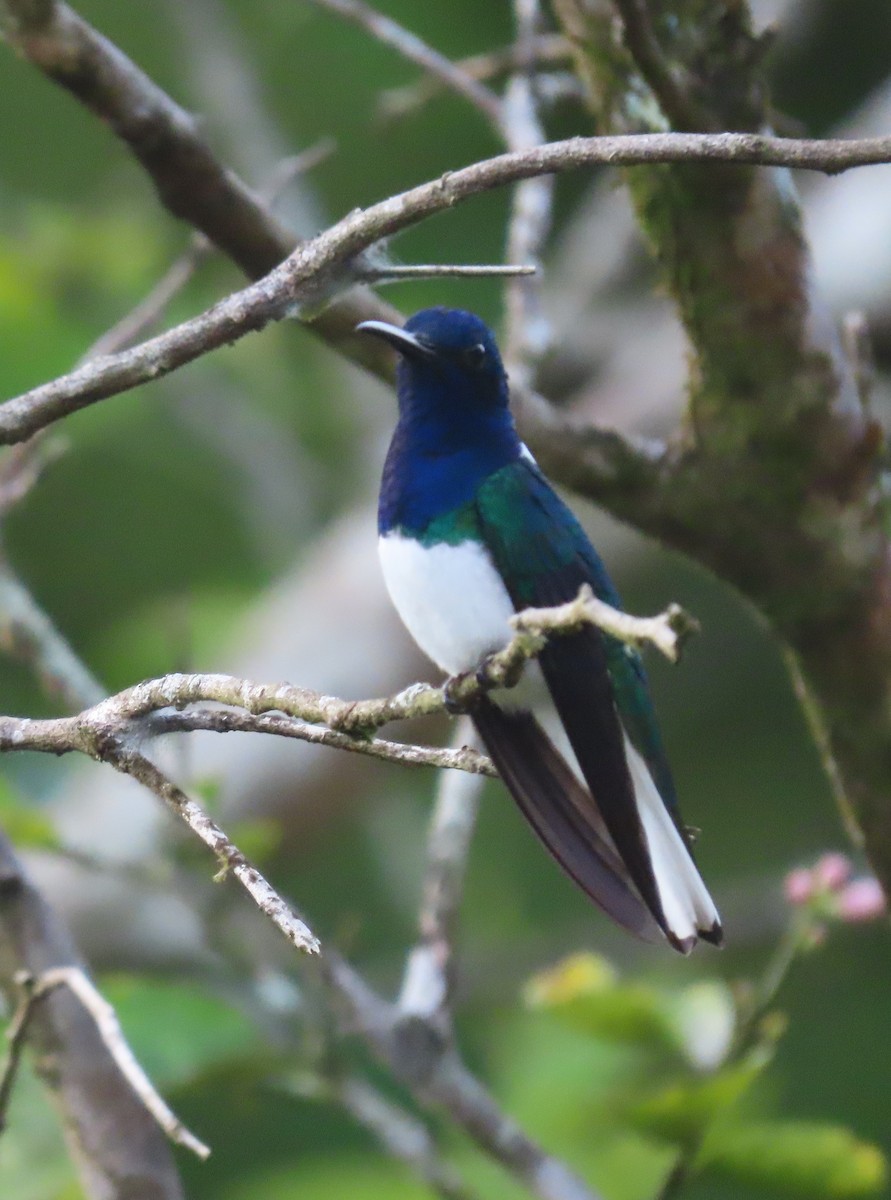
(475, 356)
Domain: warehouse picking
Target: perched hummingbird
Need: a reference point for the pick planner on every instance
(472, 532)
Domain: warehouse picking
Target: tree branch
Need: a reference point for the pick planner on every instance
(410, 46)
(778, 488)
(26, 633)
(116, 1144)
(549, 50)
(37, 988)
(223, 721)
(428, 981)
(106, 730)
(130, 762)
(528, 332)
(433, 1071)
(398, 1132)
(317, 270)
(192, 184)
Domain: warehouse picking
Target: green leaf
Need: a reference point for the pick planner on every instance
(684, 1111)
(34, 1164)
(799, 1158)
(178, 1031)
(585, 993)
(23, 822)
(258, 838)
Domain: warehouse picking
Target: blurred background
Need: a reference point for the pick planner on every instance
(224, 520)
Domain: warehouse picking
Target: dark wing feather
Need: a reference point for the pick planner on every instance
(561, 813)
(543, 557)
(575, 672)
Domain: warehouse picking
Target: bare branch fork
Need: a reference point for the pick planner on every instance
(317, 270)
(34, 989)
(110, 730)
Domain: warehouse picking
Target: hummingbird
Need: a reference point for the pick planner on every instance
(471, 532)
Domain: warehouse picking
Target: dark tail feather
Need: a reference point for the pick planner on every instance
(575, 670)
(562, 813)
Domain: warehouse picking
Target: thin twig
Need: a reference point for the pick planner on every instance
(528, 332)
(27, 634)
(320, 268)
(151, 308)
(77, 982)
(428, 980)
(130, 762)
(671, 89)
(667, 631)
(550, 50)
(16, 1038)
(395, 273)
(417, 51)
(462, 758)
(399, 1133)
(115, 1136)
(22, 466)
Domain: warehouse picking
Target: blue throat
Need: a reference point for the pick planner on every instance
(454, 430)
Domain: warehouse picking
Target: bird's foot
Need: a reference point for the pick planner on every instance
(455, 705)
(484, 674)
(457, 701)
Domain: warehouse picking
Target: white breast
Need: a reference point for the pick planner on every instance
(450, 598)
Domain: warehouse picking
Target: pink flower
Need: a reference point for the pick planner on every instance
(832, 871)
(828, 889)
(862, 900)
(798, 886)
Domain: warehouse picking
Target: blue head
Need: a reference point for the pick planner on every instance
(455, 426)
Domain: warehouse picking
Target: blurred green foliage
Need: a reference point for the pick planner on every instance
(688, 1081)
(152, 536)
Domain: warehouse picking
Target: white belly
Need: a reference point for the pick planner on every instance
(450, 598)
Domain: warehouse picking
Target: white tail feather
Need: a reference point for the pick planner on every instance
(688, 907)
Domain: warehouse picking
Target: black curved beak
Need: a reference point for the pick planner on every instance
(402, 342)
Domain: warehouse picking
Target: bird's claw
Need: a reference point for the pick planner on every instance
(483, 673)
(454, 706)
(482, 677)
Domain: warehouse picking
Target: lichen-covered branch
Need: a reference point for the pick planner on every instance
(111, 730)
(107, 730)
